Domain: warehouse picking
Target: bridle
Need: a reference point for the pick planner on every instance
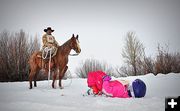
(77, 42)
(74, 54)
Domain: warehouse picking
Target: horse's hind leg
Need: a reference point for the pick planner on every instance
(35, 78)
(65, 70)
(54, 79)
(31, 76)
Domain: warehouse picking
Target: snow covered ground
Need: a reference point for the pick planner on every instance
(17, 97)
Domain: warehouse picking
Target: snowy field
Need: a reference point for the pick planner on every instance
(16, 96)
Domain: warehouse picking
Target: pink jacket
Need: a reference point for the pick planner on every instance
(95, 79)
(115, 89)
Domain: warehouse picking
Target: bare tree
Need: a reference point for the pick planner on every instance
(137, 63)
(132, 52)
(148, 65)
(122, 71)
(166, 62)
(15, 49)
(93, 65)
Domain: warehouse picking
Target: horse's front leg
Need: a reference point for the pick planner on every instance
(31, 76)
(61, 75)
(54, 78)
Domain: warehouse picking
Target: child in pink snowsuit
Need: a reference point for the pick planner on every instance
(101, 83)
(95, 81)
(114, 88)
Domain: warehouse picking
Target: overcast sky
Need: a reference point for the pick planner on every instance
(101, 24)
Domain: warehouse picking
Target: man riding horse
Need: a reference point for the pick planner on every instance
(59, 55)
(48, 39)
(49, 42)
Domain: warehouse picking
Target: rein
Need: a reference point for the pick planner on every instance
(74, 54)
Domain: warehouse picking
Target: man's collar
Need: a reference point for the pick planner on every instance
(48, 34)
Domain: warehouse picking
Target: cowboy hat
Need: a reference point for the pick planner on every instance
(49, 28)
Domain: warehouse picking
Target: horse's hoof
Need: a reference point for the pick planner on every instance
(61, 87)
(54, 87)
(30, 87)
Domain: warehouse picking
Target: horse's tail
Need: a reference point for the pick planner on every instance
(32, 60)
(33, 57)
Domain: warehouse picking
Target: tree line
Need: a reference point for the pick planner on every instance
(15, 49)
(136, 62)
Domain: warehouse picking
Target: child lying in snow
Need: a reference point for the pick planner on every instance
(95, 81)
(118, 89)
(100, 83)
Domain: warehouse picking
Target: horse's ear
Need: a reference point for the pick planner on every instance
(73, 35)
(77, 37)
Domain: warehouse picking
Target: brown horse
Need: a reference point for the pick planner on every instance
(58, 64)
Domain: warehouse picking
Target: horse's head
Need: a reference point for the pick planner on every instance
(75, 44)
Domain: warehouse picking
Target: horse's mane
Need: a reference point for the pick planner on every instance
(65, 44)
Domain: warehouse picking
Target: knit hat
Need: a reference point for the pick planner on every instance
(106, 78)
